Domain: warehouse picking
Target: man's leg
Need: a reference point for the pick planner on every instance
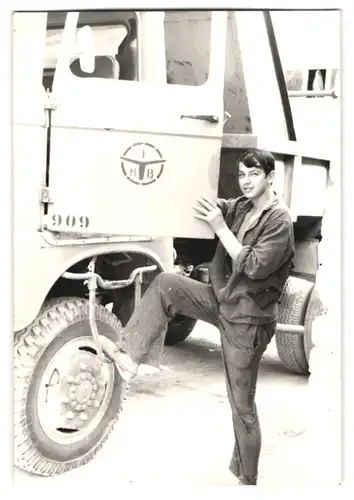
(167, 295)
(242, 348)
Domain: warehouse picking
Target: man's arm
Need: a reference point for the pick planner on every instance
(260, 260)
(211, 213)
(229, 242)
(267, 255)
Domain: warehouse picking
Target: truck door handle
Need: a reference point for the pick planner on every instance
(207, 118)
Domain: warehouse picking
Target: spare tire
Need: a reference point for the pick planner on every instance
(292, 311)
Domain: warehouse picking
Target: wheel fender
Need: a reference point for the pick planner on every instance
(48, 270)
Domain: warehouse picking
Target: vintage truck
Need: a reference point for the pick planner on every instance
(121, 119)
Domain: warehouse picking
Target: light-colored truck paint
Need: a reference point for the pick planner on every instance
(88, 138)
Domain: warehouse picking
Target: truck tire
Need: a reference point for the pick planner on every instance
(179, 329)
(66, 402)
(314, 309)
(292, 310)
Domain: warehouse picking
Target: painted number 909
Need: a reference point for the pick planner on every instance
(70, 221)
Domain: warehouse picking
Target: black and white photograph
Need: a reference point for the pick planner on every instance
(176, 248)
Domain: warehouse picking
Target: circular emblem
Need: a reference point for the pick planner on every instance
(142, 163)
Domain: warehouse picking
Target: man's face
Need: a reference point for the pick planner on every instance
(253, 181)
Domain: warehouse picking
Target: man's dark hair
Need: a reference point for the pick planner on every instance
(258, 158)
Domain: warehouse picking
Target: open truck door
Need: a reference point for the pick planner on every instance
(131, 157)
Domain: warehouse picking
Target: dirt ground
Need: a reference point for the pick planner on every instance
(176, 425)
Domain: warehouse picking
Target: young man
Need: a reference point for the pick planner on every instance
(249, 269)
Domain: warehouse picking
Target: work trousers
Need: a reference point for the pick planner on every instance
(242, 346)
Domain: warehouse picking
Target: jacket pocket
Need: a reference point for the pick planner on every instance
(266, 297)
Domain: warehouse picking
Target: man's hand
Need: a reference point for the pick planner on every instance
(209, 212)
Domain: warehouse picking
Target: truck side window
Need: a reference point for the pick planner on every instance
(115, 43)
(187, 47)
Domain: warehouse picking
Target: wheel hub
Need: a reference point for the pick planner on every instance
(75, 391)
(83, 392)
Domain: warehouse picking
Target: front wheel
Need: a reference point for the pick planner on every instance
(66, 400)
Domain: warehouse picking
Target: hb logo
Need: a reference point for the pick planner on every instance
(142, 163)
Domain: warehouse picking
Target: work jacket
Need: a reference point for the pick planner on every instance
(248, 289)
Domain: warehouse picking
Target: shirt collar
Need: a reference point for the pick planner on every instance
(246, 203)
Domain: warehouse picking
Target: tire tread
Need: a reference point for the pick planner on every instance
(292, 311)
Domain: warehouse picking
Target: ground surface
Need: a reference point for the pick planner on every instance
(176, 426)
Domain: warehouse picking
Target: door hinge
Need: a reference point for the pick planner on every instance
(45, 196)
(50, 102)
